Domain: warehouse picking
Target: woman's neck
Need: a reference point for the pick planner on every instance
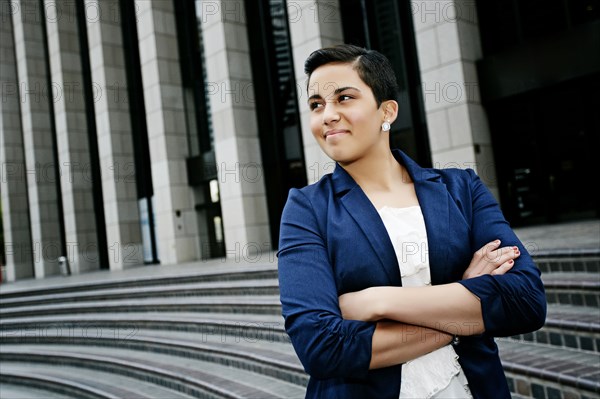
(378, 171)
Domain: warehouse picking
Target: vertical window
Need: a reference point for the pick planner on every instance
(386, 26)
(92, 137)
(201, 163)
(59, 202)
(2, 254)
(137, 113)
(276, 104)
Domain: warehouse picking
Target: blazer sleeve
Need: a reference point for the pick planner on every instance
(328, 346)
(513, 303)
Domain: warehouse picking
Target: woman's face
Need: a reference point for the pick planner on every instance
(344, 118)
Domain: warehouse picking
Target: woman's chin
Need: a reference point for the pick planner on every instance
(342, 157)
(340, 153)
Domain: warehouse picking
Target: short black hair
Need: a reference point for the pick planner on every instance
(372, 67)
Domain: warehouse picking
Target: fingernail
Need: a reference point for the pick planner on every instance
(511, 261)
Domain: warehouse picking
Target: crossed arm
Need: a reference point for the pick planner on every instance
(413, 321)
(332, 341)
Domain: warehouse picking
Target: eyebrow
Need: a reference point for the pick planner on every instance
(336, 92)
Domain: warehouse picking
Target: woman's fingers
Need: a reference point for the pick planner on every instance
(503, 268)
(489, 258)
(477, 264)
(501, 257)
(504, 254)
(489, 248)
(485, 254)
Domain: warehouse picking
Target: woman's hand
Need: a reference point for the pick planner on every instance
(490, 259)
(369, 304)
(359, 305)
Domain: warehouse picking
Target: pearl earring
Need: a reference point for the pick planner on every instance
(385, 126)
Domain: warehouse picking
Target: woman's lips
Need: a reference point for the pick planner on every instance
(335, 133)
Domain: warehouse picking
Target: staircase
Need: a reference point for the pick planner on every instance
(562, 359)
(215, 331)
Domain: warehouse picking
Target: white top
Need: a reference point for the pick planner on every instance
(438, 373)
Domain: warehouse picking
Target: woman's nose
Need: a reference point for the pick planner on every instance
(330, 114)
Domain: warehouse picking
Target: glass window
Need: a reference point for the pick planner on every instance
(201, 163)
(386, 26)
(276, 104)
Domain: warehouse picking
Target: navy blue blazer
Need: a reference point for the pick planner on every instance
(332, 241)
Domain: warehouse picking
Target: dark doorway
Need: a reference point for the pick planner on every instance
(539, 82)
(545, 143)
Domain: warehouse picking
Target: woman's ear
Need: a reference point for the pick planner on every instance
(390, 110)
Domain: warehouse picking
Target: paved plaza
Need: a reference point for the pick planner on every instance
(575, 237)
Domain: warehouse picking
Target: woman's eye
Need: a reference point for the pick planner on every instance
(313, 105)
(344, 97)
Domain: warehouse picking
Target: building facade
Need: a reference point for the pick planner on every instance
(166, 131)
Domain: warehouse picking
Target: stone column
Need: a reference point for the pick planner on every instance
(237, 145)
(13, 190)
(72, 135)
(448, 44)
(176, 222)
(40, 162)
(113, 126)
(313, 24)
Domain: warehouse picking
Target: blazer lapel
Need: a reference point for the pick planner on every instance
(364, 213)
(433, 199)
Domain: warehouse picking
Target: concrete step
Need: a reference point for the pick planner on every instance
(227, 318)
(213, 304)
(266, 357)
(535, 388)
(147, 276)
(266, 286)
(574, 327)
(583, 264)
(583, 281)
(73, 385)
(10, 391)
(549, 369)
(577, 289)
(102, 384)
(125, 325)
(188, 375)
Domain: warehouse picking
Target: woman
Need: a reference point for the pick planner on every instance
(394, 279)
